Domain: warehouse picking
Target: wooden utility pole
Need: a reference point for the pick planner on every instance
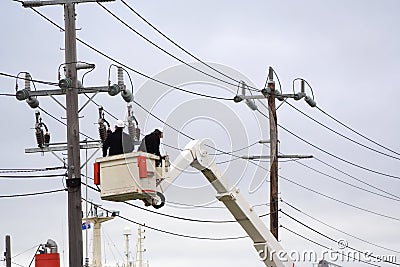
(74, 169)
(70, 85)
(273, 135)
(7, 254)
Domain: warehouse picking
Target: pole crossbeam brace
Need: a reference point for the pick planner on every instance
(59, 148)
(58, 2)
(86, 90)
(296, 96)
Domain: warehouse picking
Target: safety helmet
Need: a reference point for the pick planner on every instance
(120, 124)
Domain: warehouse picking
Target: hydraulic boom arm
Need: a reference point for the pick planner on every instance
(195, 154)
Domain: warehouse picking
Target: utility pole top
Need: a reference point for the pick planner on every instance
(7, 254)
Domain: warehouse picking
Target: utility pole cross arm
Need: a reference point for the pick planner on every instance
(28, 4)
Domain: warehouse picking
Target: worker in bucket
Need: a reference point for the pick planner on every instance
(151, 144)
(118, 142)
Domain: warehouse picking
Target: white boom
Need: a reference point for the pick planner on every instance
(195, 154)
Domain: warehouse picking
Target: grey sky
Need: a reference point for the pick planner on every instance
(347, 51)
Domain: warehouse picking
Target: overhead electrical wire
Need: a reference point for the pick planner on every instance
(60, 121)
(173, 216)
(355, 178)
(181, 48)
(190, 206)
(237, 150)
(226, 161)
(17, 170)
(187, 219)
(162, 49)
(33, 194)
(338, 230)
(356, 132)
(333, 155)
(32, 176)
(347, 183)
(23, 78)
(330, 238)
(339, 170)
(169, 232)
(130, 68)
(1, 94)
(394, 197)
(14, 256)
(344, 125)
(341, 135)
(338, 200)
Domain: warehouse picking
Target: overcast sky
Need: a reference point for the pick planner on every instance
(346, 50)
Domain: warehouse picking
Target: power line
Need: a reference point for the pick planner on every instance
(347, 183)
(187, 219)
(131, 69)
(173, 216)
(333, 155)
(237, 150)
(60, 121)
(17, 264)
(189, 206)
(226, 161)
(339, 170)
(163, 50)
(32, 176)
(25, 251)
(340, 201)
(330, 238)
(341, 135)
(344, 125)
(356, 132)
(33, 194)
(341, 231)
(180, 47)
(172, 233)
(23, 78)
(355, 178)
(17, 170)
(394, 197)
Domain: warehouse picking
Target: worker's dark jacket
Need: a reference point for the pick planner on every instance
(118, 142)
(151, 144)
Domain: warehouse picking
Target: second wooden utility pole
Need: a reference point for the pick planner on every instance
(273, 135)
(7, 254)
